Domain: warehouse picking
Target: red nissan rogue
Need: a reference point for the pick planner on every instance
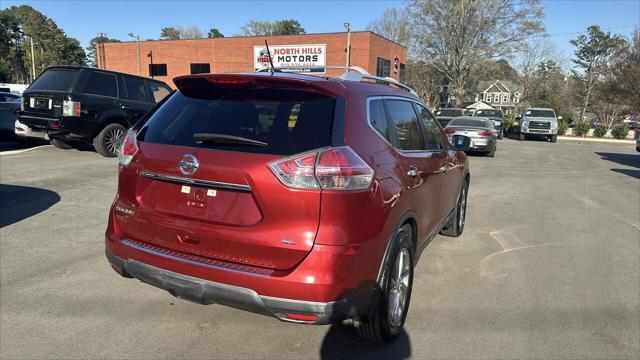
(301, 197)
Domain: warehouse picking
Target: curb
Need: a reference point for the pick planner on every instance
(611, 141)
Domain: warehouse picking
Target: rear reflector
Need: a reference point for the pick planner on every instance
(449, 131)
(485, 133)
(302, 317)
(128, 149)
(331, 169)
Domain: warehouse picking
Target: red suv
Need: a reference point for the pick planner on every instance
(301, 197)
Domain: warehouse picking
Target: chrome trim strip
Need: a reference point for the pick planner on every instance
(187, 261)
(39, 117)
(195, 182)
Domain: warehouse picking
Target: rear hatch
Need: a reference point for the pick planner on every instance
(42, 101)
(217, 197)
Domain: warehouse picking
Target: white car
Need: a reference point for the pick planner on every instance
(24, 131)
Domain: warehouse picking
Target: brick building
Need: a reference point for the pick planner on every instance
(166, 59)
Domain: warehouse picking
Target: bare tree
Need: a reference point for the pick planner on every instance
(527, 62)
(394, 24)
(192, 32)
(455, 35)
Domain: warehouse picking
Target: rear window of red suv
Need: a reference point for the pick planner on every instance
(288, 122)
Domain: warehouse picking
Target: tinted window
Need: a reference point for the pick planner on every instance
(55, 79)
(136, 89)
(157, 69)
(378, 119)
(290, 122)
(9, 97)
(489, 113)
(383, 67)
(100, 83)
(158, 91)
(404, 121)
(449, 112)
(540, 113)
(469, 122)
(433, 134)
(200, 68)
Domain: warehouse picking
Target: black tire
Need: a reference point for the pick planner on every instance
(379, 324)
(554, 138)
(455, 227)
(60, 144)
(491, 153)
(500, 136)
(109, 139)
(523, 137)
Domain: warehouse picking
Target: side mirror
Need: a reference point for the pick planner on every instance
(461, 143)
(518, 117)
(497, 122)
(559, 117)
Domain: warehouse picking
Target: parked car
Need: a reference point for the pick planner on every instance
(9, 104)
(23, 131)
(75, 103)
(633, 125)
(480, 130)
(496, 117)
(445, 115)
(539, 122)
(216, 207)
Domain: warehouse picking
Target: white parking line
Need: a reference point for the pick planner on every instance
(12, 152)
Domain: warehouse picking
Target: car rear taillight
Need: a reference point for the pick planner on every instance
(297, 172)
(342, 169)
(449, 131)
(331, 169)
(70, 108)
(128, 149)
(485, 133)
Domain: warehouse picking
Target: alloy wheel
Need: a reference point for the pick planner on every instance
(113, 139)
(399, 287)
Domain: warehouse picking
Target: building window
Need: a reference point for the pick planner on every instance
(403, 73)
(496, 97)
(516, 97)
(505, 98)
(200, 68)
(157, 69)
(487, 97)
(383, 69)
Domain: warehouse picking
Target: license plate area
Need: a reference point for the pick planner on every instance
(40, 103)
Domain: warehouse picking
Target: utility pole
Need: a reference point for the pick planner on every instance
(150, 56)
(137, 37)
(348, 27)
(33, 61)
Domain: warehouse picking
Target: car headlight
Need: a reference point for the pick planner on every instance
(524, 124)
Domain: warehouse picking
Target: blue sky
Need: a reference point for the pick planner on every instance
(84, 19)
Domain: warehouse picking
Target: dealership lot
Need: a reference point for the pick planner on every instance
(548, 266)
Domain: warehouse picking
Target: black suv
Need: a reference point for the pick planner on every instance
(76, 103)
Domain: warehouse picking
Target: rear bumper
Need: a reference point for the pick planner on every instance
(207, 292)
(59, 126)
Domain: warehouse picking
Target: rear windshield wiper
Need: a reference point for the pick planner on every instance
(222, 139)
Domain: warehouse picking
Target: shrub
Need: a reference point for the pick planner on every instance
(582, 129)
(620, 131)
(600, 131)
(562, 128)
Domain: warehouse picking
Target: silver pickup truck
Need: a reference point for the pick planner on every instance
(540, 122)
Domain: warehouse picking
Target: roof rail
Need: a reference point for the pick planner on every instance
(356, 73)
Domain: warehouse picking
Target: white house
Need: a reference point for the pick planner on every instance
(499, 94)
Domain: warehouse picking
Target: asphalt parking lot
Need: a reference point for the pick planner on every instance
(548, 267)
